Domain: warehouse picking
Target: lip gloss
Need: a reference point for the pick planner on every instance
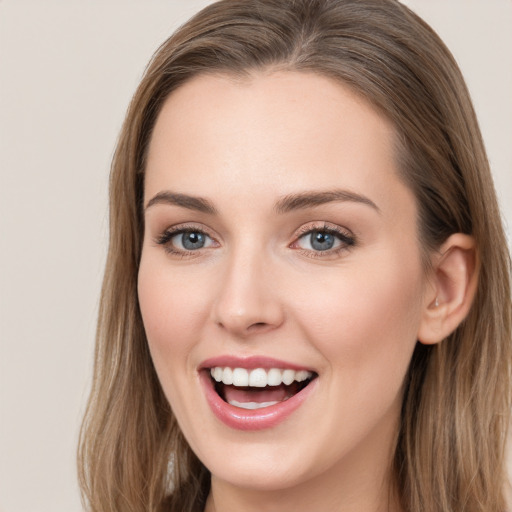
(245, 419)
(250, 363)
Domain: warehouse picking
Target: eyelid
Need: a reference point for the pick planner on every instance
(164, 238)
(324, 226)
(344, 235)
(184, 228)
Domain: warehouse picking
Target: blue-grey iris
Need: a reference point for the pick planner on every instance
(322, 241)
(193, 240)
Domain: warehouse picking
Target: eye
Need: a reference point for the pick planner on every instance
(327, 240)
(319, 241)
(183, 240)
(190, 240)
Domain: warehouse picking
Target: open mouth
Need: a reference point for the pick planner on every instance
(258, 388)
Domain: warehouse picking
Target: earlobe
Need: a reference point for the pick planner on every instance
(452, 289)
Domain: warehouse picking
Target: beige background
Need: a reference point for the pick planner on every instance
(67, 71)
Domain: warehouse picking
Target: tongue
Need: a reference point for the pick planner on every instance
(259, 395)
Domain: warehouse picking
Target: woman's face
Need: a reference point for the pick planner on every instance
(280, 251)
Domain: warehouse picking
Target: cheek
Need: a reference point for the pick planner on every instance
(365, 320)
(171, 308)
(172, 315)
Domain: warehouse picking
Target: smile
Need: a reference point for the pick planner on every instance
(254, 393)
(258, 388)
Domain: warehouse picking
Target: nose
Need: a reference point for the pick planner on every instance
(248, 300)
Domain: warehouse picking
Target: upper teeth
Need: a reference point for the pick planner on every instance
(259, 377)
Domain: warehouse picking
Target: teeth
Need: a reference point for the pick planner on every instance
(259, 377)
(240, 377)
(288, 377)
(302, 375)
(217, 374)
(274, 377)
(227, 376)
(252, 405)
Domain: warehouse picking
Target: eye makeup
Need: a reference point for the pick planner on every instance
(316, 240)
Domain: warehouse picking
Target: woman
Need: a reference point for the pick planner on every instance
(307, 302)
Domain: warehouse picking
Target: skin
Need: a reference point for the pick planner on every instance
(259, 288)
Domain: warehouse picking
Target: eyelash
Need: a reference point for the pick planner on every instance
(346, 238)
(165, 238)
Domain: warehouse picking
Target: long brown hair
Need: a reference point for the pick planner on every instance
(451, 444)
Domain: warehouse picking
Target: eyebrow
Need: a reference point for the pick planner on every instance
(305, 200)
(199, 204)
(286, 204)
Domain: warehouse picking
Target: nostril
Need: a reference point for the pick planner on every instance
(258, 326)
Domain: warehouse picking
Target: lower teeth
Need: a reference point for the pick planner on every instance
(252, 405)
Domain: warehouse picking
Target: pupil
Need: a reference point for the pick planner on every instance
(321, 241)
(193, 240)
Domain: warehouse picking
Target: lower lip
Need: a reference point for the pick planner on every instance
(257, 419)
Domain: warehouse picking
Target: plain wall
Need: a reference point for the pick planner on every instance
(67, 71)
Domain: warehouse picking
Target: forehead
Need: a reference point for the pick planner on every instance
(293, 130)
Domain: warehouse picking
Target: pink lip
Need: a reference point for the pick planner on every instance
(250, 363)
(245, 419)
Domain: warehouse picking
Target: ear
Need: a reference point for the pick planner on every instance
(452, 288)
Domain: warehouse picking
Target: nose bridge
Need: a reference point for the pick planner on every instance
(247, 300)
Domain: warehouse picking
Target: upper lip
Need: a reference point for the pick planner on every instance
(250, 363)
